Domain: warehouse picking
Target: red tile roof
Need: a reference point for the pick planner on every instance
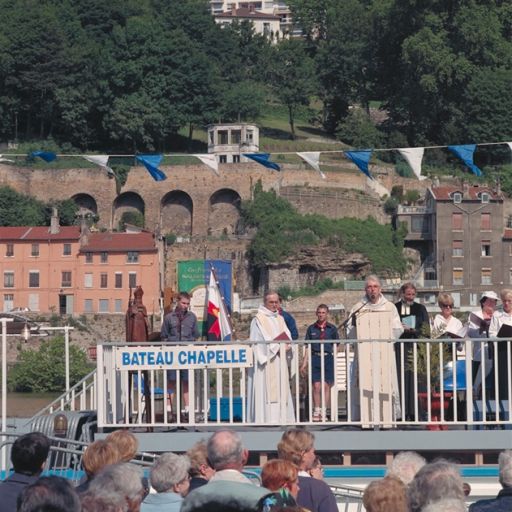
(244, 12)
(120, 242)
(38, 233)
(445, 193)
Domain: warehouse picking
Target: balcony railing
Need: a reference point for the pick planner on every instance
(408, 384)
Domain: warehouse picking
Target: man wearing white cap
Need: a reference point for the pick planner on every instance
(478, 328)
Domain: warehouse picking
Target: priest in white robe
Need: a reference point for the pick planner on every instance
(269, 399)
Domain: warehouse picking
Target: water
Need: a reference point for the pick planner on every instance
(25, 405)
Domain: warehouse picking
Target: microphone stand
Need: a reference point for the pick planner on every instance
(352, 317)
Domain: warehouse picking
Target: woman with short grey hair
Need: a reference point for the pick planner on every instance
(169, 476)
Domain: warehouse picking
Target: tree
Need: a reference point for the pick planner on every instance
(19, 210)
(292, 77)
(44, 369)
(243, 101)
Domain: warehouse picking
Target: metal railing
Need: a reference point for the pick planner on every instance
(376, 384)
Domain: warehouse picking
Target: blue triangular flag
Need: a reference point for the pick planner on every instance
(465, 152)
(263, 159)
(47, 156)
(151, 163)
(361, 158)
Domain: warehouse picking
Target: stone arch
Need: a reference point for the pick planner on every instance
(224, 212)
(177, 210)
(86, 204)
(127, 202)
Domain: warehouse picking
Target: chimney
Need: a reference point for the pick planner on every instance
(54, 222)
(84, 231)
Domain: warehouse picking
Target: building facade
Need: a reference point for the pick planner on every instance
(462, 235)
(68, 271)
(230, 141)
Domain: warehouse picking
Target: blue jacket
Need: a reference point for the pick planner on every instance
(162, 502)
(314, 333)
(502, 503)
(11, 488)
(290, 323)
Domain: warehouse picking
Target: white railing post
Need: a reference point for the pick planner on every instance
(4, 321)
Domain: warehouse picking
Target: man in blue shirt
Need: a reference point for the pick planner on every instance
(322, 354)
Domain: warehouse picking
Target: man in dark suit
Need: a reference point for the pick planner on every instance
(28, 455)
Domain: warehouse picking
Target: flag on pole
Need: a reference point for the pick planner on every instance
(218, 322)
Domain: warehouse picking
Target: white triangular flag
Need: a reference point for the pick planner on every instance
(101, 160)
(2, 159)
(313, 159)
(210, 161)
(414, 156)
(510, 145)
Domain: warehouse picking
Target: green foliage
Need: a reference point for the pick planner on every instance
(19, 210)
(44, 369)
(170, 238)
(133, 217)
(358, 130)
(281, 231)
(391, 205)
(316, 289)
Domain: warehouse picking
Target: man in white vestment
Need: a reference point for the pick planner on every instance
(269, 399)
(374, 301)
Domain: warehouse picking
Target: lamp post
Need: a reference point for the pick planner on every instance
(4, 321)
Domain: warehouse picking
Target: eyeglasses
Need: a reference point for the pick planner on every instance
(446, 306)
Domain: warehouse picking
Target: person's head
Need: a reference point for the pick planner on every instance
(183, 301)
(280, 474)
(505, 465)
(506, 299)
(386, 495)
(271, 300)
(49, 493)
(137, 294)
(445, 302)
(29, 453)
(446, 505)
(433, 482)
(169, 473)
(372, 288)
(297, 446)
(126, 444)
(322, 312)
(317, 470)
(405, 465)
(199, 465)
(226, 451)
(98, 455)
(488, 302)
(104, 501)
(408, 292)
(124, 479)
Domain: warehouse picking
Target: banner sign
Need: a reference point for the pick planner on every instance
(165, 357)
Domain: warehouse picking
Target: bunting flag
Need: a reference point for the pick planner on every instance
(102, 161)
(361, 158)
(211, 161)
(263, 159)
(313, 159)
(414, 157)
(509, 145)
(465, 152)
(219, 325)
(151, 163)
(2, 159)
(47, 156)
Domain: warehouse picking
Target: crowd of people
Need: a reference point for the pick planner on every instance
(212, 477)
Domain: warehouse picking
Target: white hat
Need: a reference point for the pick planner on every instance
(490, 295)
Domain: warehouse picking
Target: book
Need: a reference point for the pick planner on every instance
(409, 321)
(282, 337)
(505, 331)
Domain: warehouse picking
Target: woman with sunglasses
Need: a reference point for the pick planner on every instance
(445, 325)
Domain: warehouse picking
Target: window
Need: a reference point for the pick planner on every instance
(211, 137)
(222, 136)
(132, 257)
(236, 159)
(103, 305)
(486, 276)
(66, 250)
(104, 257)
(118, 306)
(9, 250)
(132, 279)
(118, 280)
(236, 136)
(88, 306)
(486, 248)
(88, 280)
(457, 197)
(35, 250)
(33, 302)
(66, 279)
(103, 280)
(223, 159)
(457, 248)
(420, 224)
(8, 301)
(249, 137)
(458, 276)
(485, 197)
(457, 221)
(88, 257)
(485, 221)
(33, 279)
(9, 279)
(473, 299)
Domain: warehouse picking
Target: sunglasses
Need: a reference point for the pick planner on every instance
(446, 306)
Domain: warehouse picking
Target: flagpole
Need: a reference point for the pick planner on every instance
(212, 269)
